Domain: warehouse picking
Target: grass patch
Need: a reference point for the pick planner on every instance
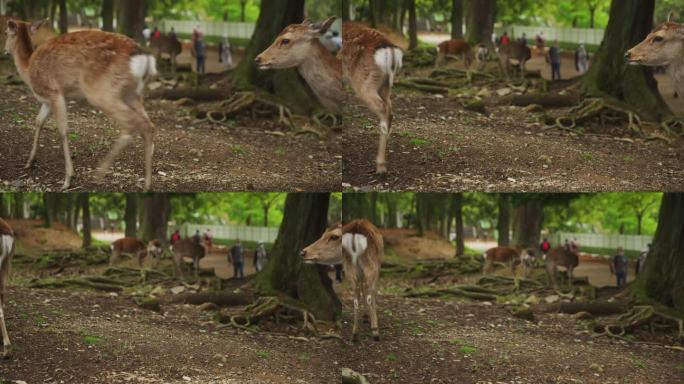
(392, 356)
(680, 366)
(237, 149)
(73, 136)
(304, 357)
(40, 320)
(467, 349)
(418, 142)
(92, 340)
(628, 158)
(262, 354)
(587, 156)
(367, 125)
(638, 364)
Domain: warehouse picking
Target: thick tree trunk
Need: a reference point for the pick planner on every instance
(18, 206)
(156, 217)
(504, 222)
(50, 206)
(346, 10)
(131, 20)
(458, 214)
(480, 21)
(63, 17)
(609, 75)
(412, 24)
(663, 277)
(85, 206)
(391, 202)
(528, 223)
(456, 19)
(108, 15)
(356, 206)
(131, 214)
(285, 84)
(304, 220)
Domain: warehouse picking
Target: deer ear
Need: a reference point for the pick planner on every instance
(12, 26)
(322, 27)
(35, 26)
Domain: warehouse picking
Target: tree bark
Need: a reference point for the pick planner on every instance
(50, 207)
(630, 22)
(504, 222)
(131, 214)
(391, 202)
(458, 214)
(528, 223)
(304, 220)
(63, 17)
(85, 206)
(155, 218)
(131, 20)
(18, 206)
(285, 84)
(356, 206)
(108, 15)
(412, 24)
(663, 277)
(480, 22)
(456, 19)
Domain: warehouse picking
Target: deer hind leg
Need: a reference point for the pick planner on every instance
(378, 100)
(371, 305)
(40, 123)
(58, 105)
(4, 274)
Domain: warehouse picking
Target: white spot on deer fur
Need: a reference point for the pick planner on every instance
(384, 128)
(356, 303)
(355, 244)
(369, 299)
(143, 67)
(6, 244)
(389, 60)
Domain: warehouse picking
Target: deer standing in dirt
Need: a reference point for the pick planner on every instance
(137, 248)
(514, 50)
(481, 55)
(454, 47)
(187, 248)
(359, 247)
(367, 60)
(167, 44)
(106, 69)
(662, 47)
(512, 256)
(560, 257)
(7, 247)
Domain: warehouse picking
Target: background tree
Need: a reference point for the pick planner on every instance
(84, 202)
(63, 17)
(156, 210)
(610, 76)
(504, 221)
(131, 215)
(456, 19)
(108, 15)
(304, 220)
(412, 24)
(480, 21)
(131, 20)
(458, 214)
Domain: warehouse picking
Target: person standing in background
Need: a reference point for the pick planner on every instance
(619, 267)
(581, 59)
(237, 258)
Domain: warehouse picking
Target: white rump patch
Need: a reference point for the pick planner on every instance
(142, 68)
(355, 244)
(6, 245)
(484, 255)
(389, 60)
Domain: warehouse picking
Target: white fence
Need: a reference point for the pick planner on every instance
(628, 242)
(210, 28)
(242, 232)
(564, 35)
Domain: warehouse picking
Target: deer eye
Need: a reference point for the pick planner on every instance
(334, 237)
(658, 39)
(285, 42)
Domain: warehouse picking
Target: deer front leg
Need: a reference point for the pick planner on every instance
(357, 303)
(59, 107)
(6, 352)
(380, 107)
(371, 304)
(40, 123)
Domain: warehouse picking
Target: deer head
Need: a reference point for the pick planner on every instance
(19, 32)
(292, 46)
(327, 250)
(661, 47)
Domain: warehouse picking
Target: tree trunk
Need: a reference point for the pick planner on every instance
(480, 22)
(458, 213)
(243, 4)
(287, 85)
(456, 19)
(108, 15)
(156, 217)
(528, 223)
(391, 202)
(63, 17)
(630, 22)
(504, 222)
(304, 220)
(356, 206)
(50, 206)
(18, 206)
(413, 24)
(663, 277)
(131, 20)
(131, 214)
(85, 206)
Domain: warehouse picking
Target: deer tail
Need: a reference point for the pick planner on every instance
(389, 60)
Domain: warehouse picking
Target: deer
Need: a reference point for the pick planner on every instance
(560, 257)
(481, 55)
(368, 61)
(187, 248)
(513, 256)
(359, 246)
(454, 47)
(106, 69)
(514, 50)
(167, 44)
(137, 248)
(664, 46)
(7, 247)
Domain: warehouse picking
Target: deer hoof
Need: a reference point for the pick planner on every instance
(381, 169)
(6, 353)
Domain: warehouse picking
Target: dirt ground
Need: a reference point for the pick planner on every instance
(191, 156)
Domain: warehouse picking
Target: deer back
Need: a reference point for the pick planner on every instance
(362, 241)
(128, 244)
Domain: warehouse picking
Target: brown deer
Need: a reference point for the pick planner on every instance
(367, 60)
(187, 248)
(359, 247)
(560, 257)
(137, 248)
(514, 50)
(512, 256)
(7, 247)
(454, 47)
(169, 45)
(106, 69)
(662, 47)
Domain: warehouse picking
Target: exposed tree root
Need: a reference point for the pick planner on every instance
(224, 299)
(594, 109)
(467, 291)
(603, 308)
(352, 377)
(637, 317)
(91, 282)
(278, 310)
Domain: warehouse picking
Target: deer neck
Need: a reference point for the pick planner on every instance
(675, 72)
(323, 72)
(22, 54)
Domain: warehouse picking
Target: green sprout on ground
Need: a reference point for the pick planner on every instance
(262, 354)
(92, 340)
